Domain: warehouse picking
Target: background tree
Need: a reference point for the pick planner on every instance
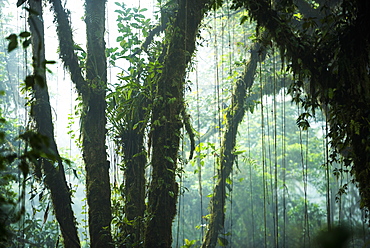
(234, 115)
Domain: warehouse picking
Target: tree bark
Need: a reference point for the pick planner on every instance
(166, 123)
(134, 173)
(41, 112)
(234, 115)
(93, 128)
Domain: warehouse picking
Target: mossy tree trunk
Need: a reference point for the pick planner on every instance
(234, 115)
(167, 123)
(134, 174)
(93, 128)
(41, 112)
(93, 119)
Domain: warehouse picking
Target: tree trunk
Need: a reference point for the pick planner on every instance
(234, 115)
(41, 112)
(93, 128)
(134, 173)
(166, 123)
(93, 119)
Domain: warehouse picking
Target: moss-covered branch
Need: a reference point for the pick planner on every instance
(94, 131)
(66, 45)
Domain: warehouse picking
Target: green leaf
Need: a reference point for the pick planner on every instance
(156, 123)
(26, 43)
(239, 152)
(25, 34)
(13, 42)
(243, 19)
(229, 181)
(169, 159)
(222, 241)
(171, 194)
(172, 100)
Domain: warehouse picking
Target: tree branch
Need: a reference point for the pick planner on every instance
(66, 45)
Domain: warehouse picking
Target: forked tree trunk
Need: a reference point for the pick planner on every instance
(41, 112)
(167, 122)
(93, 119)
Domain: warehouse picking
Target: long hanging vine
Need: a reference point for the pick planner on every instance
(234, 115)
(263, 155)
(334, 56)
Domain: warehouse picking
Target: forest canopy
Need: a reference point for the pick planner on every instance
(187, 123)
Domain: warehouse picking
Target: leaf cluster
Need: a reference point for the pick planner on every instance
(14, 40)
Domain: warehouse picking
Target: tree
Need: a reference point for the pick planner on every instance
(41, 111)
(166, 122)
(92, 91)
(332, 57)
(128, 114)
(234, 115)
(148, 105)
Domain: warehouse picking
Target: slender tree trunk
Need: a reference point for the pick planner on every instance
(41, 112)
(234, 115)
(94, 131)
(166, 123)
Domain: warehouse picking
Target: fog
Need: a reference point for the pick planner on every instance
(281, 192)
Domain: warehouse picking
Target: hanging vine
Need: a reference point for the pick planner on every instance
(333, 55)
(234, 115)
